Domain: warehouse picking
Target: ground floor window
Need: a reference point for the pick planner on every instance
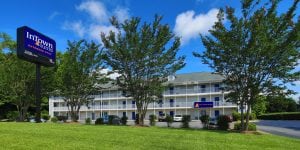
(133, 115)
(124, 114)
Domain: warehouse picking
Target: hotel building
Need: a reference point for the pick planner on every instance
(179, 97)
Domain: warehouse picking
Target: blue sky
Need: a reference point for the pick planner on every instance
(65, 20)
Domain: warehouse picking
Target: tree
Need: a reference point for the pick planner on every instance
(259, 106)
(16, 78)
(144, 55)
(169, 120)
(253, 51)
(280, 104)
(78, 75)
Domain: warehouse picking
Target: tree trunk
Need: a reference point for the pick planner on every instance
(242, 116)
(247, 117)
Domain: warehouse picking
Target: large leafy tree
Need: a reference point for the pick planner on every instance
(16, 78)
(78, 75)
(144, 55)
(257, 50)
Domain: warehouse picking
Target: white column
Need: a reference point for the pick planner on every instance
(223, 101)
(118, 107)
(108, 102)
(186, 99)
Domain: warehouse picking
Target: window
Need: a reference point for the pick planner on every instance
(171, 102)
(217, 101)
(217, 113)
(217, 87)
(160, 113)
(55, 104)
(203, 99)
(202, 90)
(133, 115)
(172, 113)
(124, 114)
(93, 116)
(171, 89)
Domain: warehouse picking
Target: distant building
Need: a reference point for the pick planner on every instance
(178, 99)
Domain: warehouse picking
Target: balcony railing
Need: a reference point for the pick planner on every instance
(192, 91)
(167, 105)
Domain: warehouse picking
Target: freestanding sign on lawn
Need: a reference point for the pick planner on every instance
(37, 48)
(203, 104)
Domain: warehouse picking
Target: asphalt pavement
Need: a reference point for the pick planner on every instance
(288, 128)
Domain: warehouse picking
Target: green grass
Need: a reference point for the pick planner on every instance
(75, 136)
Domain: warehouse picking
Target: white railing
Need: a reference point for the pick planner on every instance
(167, 105)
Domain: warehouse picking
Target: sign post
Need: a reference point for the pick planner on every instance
(37, 48)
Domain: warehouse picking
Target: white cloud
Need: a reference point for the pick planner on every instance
(76, 26)
(121, 13)
(97, 20)
(95, 9)
(188, 25)
(95, 30)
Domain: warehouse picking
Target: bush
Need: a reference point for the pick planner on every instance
(88, 121)
(280, 116)
(236, 116)
(251, 126)
(99, 121)
(54, 119)
(46, 117)
(124, 120)
(152, 119)
(223, 122)
(252, 116)
(62, 118)
(169, 120)
(204, 119)
(113, 120)
(12, 115)
(185, 121)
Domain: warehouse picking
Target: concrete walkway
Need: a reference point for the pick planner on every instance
(289, 128)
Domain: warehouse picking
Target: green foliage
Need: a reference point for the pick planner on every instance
(185, 121)
(144, 55)
(236, 116)
(259, 107)
(78, 75)
(204, 119)
(152, 119)
(280, 116)
(251, 127)
(46, 117)
(62, 118)
(54, 119)
(137, 118)
(124, 120)
(99, 121)
(12, 115)
(256, 49)
(223, 122)
(280, 104)
(88, 121)
(169, 120)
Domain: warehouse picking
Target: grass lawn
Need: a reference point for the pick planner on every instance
(75, 136)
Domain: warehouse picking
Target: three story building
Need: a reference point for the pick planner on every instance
(179, 98)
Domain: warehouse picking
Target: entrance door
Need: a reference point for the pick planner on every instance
(133, 115)
(172, 113)
(217, 113)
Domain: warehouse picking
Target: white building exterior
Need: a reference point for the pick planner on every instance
(178, 99)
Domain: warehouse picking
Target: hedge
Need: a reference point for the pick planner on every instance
(251, 126)
(280, 116)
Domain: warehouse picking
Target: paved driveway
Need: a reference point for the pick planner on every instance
(289, 128)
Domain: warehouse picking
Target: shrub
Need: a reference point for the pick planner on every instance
(62, 118)
(223, 122)
(152, 119)
(236, 116)
(110, 119)
(204, 119)
(124, 120)
(46, 117)
(280, 116)
(251, 126)
(169, 120)
(54, 119)
(12, 115)
(252, 116)
(99, 121)
(88, 121)
(113, 120)
(185, 121)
